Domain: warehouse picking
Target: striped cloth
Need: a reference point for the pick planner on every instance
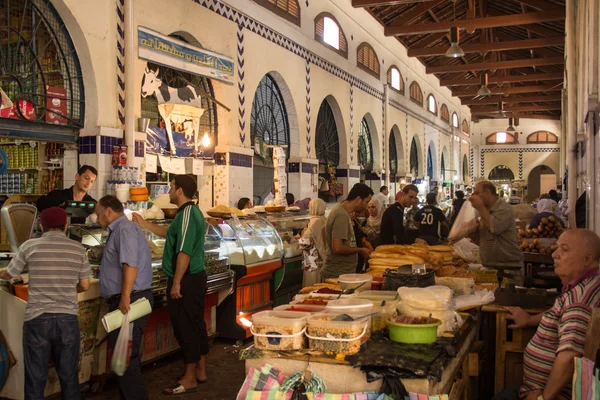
(563, 327)
(56, 264)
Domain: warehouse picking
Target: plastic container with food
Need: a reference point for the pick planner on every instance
(350, 306)
(279, 330)
(378, 295)
(309, 308)
(336, 337)
(385, 311)
(413, 330)
(329, 296)
(360, 282)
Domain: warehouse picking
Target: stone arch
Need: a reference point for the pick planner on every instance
(501, 173)
(534, 181)
(416, 154)
(401, 165)
(375, 145)
(432, 168)
(344, 151)
(449, 175)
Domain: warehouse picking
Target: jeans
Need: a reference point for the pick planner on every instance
(55, 335)
(131, 384)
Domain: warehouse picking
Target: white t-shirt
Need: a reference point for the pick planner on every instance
(382, 198)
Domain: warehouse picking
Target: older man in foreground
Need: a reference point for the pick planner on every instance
(560, 336)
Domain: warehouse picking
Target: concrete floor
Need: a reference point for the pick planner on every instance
(225, 376)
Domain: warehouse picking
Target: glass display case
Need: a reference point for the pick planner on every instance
(247, 241)
(289, 224)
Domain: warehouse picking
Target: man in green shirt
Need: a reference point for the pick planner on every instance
(183, 263)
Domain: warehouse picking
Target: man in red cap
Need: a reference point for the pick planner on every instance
(58, 268)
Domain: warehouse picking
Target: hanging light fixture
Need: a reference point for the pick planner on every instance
(500, 110)
(510, 128)
(454, 51)
(484, 90)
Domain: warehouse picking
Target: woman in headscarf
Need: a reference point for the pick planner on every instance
(544, 210)
(314, 235)
(372, 226)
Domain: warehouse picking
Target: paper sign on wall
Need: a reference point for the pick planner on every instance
(178, 166)
(165, 163)
(151, 163)
(194, 166)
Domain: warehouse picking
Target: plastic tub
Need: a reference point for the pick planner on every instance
(414, 333)
(301, 308)
(335, 337)
(386, 311)
(352, 281)
(279, 330)
(350, 306)
(377, 296)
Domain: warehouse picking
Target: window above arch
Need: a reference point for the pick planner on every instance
(416, 94)
(329, 33)
(455, 120)
(542, 137)
(500, 138)
(394, 79)
(367, 60)
(465, 127)
(444, 113)
(431, 104)
(286, 9)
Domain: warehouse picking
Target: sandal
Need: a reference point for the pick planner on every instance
(177, 390)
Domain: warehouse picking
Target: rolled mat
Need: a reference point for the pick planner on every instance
(138, 309)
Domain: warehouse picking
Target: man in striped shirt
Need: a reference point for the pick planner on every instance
(560, 337)
(183, 263)
(58, 268)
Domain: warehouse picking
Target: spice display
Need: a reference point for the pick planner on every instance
(314, 302)
(405, 319)
(323, 332)
(213, 264)
(279, 330)
(326, 290)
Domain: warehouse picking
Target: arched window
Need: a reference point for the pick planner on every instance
(431, 104)
(465, 127)
(416, 94)
(393, 155)
(269, 120)
(414, 158)
(365, 149)
(542, 137)
(429, 163)
(394, 79)
(455, 120)
(287, 9)
(178, 79)
(327, 142)
(501, 173)
(367, 60)
(329, 33)
(444, 114)
(39, 66)
(500, 138)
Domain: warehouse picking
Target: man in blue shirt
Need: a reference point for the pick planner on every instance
(125, 277)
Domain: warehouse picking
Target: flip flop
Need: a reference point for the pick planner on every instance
(180, 377)
(177, 390)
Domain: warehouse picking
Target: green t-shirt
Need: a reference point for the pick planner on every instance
(185, 234)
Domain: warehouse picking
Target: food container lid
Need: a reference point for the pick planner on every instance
(378, 295)
(350, 306)
(281, 318)
(310, 308)
(325, 320)
(355, 278)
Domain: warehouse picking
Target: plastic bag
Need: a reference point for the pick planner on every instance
(122, 350)
(465, 223)
(467, 250)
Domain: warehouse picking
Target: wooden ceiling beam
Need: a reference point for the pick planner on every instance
(541, 5)
(520, 115)
(484, 48)
(378, 3)
(414, 13)
(429, 39)
(491, 66)
(553, 76)
(477, 23)
(510, 90)
(510, 100)
(516, 109)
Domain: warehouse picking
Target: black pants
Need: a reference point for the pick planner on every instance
(131, 384)
(508, 394)
(187, 316)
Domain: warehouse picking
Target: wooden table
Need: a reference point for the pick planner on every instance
(510, 345)
(342, 377)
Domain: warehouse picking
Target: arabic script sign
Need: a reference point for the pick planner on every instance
(170, 52)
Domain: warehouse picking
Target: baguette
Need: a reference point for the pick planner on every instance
(441, 248)
(382, 254)
(392, 247)
(396, 262)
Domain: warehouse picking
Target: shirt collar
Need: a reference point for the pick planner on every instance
(113, 225)
(590, 273)
(53, 233)
(185, 205)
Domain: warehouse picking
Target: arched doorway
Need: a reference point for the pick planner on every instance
(465, 170)
(327, 146)
(501, 173)
(541, 180)
(269, 124)
(431, 162)
(446, 173)
(416, 157)
(365, 147)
